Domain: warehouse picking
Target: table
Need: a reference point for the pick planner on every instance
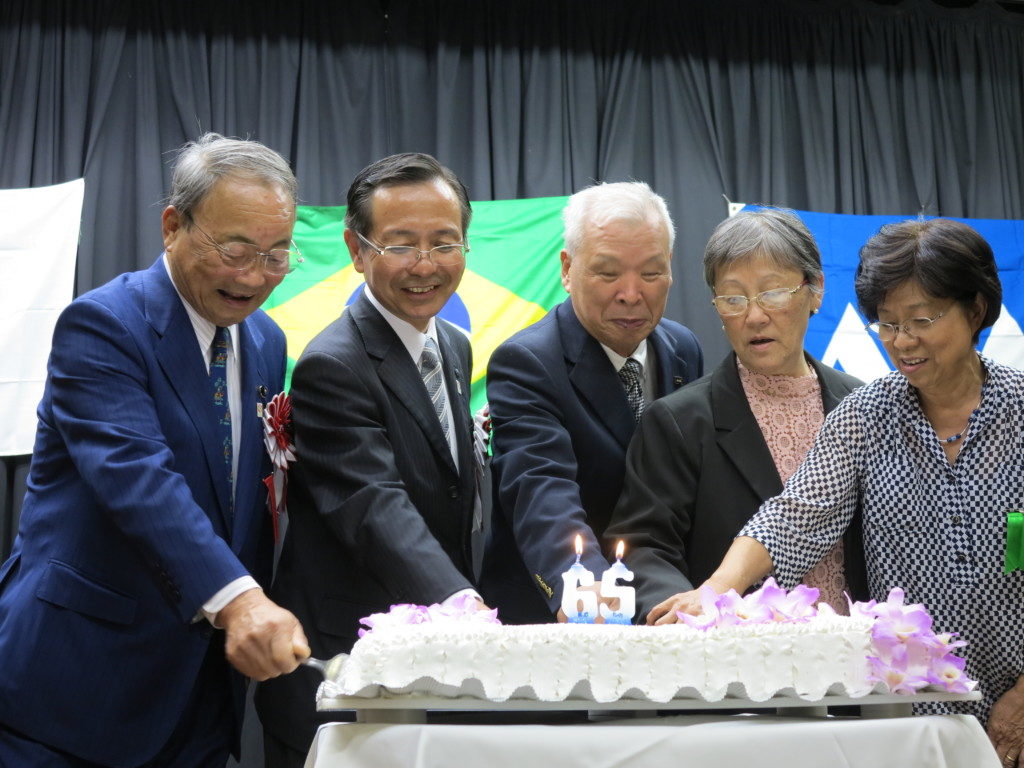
(413, 708)
(694, 741)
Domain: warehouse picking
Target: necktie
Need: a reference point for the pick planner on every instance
(630, 375)
(219, 379)
(430, 370)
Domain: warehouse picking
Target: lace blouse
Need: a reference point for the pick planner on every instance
(789, 412)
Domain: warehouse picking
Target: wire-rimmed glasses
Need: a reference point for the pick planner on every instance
(241, 256)
(407, 256)
(770, 301)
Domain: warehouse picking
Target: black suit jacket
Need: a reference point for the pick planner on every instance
(697, 470)
(377, 512)
(561, 427)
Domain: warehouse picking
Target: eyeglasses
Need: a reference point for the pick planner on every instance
(241, 256)
(407, 256)
(913, 328)
(769, 301)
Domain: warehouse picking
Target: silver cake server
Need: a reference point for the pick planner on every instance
(330, 669)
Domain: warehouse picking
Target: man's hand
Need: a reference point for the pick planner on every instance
(1006, 726)
(684, 602)
(263, 640)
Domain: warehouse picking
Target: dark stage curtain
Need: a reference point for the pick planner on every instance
(841, 106)
(852, 107)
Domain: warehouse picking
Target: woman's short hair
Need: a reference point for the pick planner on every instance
(200, 164)
(949, 259)
(774, 233)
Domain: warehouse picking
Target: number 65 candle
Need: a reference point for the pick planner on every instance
(578, 575)
(610, 589)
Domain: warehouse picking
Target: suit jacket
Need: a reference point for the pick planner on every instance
(561, 427)
(378, 513)
(125, 530)
(698, 469)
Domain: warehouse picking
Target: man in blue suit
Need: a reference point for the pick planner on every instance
(566, 393)
(129, 612)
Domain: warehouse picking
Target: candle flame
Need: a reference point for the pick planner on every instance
(579, 545)
(619, 549)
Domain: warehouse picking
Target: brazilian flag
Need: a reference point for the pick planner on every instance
(512, 278)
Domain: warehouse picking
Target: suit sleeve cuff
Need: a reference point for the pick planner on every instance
(225, 595)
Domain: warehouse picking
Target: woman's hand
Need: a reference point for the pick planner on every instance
(1006, 726)
(684, 602)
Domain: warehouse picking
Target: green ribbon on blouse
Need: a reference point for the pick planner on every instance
(1014, 541)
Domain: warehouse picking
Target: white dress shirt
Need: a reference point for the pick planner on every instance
(204, 331)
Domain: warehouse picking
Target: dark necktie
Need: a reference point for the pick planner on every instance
(222, 412)
(430, 370)
(630, 374)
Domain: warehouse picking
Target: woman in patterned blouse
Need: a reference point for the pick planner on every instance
(934, 455)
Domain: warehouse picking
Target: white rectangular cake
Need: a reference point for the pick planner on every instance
(604, 663)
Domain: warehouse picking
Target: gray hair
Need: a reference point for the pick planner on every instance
(601, 204)
(775, 233)
(200, 164)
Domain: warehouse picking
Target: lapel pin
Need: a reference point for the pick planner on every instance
(677, 381)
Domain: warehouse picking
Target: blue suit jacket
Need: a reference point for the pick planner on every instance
(561, 428)
(125, 530)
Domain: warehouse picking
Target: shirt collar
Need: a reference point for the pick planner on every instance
(413, 338)
(639, 354)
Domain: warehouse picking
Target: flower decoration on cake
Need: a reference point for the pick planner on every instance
(277, 436)
(909, 656)
(458, 609)
(770, 603)
(906, 656)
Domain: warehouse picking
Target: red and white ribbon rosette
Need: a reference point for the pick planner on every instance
(277, 422)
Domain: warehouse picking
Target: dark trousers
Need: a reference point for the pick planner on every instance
(277, 754)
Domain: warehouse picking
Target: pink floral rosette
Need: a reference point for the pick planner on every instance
(277, 422)
(454, 610)
(906, 655)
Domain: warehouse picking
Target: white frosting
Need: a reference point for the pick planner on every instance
(602, 663)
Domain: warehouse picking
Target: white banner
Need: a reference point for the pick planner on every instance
(38, 244)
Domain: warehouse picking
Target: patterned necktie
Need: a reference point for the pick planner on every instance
(222, 412)
(630, 375)
(430, 370)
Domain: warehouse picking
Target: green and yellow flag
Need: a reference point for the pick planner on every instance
(512, 277)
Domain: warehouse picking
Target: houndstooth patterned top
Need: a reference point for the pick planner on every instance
(935, 529)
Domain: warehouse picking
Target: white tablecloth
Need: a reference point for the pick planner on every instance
(947, 741)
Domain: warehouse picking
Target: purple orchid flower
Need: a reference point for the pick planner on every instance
(949, 673)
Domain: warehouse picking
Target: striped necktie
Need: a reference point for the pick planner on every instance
(430, 370)
(222, 412)
(630, 374)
